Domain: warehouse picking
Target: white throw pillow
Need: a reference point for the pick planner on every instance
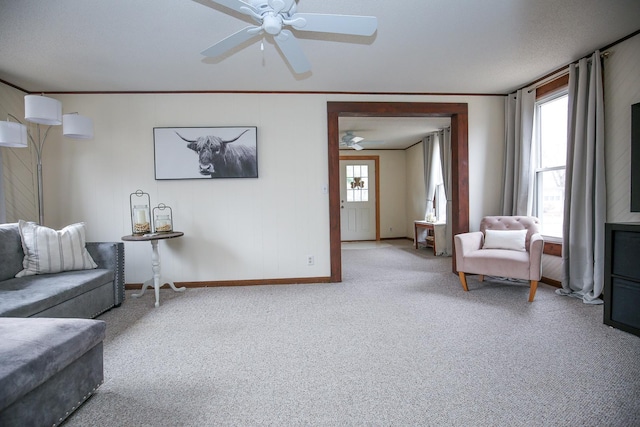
(49, 251)
(505, 239)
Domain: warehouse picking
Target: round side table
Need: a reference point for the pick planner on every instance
(155, 261)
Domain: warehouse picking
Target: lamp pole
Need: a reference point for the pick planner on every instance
(39, 145)
(41, 110)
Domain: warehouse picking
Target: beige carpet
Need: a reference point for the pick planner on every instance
(398, 343)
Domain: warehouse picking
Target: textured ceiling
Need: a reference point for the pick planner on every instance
(390, 133)
(421, 46)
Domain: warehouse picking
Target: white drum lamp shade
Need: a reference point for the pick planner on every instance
(77, 126)
(42, 110)
(13, 135)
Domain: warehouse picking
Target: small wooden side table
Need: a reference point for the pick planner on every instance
(430, 238)
(155, 261)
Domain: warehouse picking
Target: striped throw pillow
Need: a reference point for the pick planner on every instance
(49, 251)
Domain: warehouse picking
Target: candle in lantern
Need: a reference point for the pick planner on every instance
(141, 217)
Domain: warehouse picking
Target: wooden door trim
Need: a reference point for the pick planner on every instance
(376, 160)
(458, 112)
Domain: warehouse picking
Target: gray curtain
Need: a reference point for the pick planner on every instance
(3, 209)
(585, 189)
(429, 143)
(445, 163)
(517, 199)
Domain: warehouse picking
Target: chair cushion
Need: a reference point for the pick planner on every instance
(498, 262)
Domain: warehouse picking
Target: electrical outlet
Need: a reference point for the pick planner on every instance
(310, 260)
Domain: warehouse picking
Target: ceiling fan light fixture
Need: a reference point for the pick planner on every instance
(272, 24)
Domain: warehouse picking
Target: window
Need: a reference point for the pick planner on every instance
(440, 203)
(437, 211)
(550, 142)
(357, 183)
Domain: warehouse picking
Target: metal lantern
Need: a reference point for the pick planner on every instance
(140, 212)
(162, 219)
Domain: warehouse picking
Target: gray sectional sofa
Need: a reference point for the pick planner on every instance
(50, 346)
(49, 368)
(79, 293)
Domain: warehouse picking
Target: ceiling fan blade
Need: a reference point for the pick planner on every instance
(291, 50)
(340, 24)
(230, 42)
(357, 147)
(281, 5)
(236, 5)
(356, 139)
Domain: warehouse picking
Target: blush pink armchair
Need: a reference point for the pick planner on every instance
(499, 254)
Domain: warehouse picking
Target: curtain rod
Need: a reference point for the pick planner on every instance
(605, 54)
(559, 73)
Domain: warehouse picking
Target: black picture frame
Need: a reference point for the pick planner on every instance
(205, 152)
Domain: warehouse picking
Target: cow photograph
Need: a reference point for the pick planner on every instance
(205, 153)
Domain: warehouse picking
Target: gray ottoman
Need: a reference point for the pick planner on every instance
(48, 367)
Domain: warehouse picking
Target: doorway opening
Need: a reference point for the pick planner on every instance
(359, 198)
(458, 113)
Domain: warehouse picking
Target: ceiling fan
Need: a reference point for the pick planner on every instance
(273, 15)
(351, 141)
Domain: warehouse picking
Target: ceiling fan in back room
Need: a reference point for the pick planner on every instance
(272, 16)
(350, 140)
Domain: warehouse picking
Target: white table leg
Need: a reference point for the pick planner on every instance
(155, 267)
(145, 285)
(156, 280)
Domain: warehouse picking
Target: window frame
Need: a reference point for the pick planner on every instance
(546, 93)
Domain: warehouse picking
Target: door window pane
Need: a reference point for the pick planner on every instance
(357, 183)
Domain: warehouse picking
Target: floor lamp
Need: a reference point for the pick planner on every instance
(42, 110)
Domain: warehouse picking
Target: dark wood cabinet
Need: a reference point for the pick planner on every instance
(622, 276)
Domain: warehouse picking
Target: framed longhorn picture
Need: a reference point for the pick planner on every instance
(206, 152)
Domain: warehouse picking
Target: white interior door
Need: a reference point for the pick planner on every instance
(357, 200)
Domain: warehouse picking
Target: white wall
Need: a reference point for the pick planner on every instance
(235, 229)
(621, 90)
(486, 157)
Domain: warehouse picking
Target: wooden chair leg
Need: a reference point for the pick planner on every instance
(481, 277)
(463, 280)
(532, 290)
